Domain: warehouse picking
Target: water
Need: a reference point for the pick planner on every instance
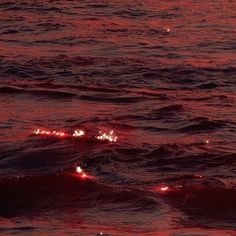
(159, 73)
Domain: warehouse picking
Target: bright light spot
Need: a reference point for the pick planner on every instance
(37, 131)
(83, 175)
(207, 141)
(41, 131)
(168, 30)
(78, 133)
(164, 189)
(81, 172)
(79, 169)
(48, 132)
(57, 133)
(110, 136)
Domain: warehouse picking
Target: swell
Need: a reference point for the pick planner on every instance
(205, 205)
(37, 92)
(187, 158)
(59, 94)
(32, 195)
(29, 6)
(140, 72)
(162, 75)
(203, 125)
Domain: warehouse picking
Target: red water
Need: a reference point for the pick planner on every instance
(161, 74)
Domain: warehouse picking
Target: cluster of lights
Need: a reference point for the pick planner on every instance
(104, 136)
(49, 133)
(167, 189)
(78, 133)
(110, 136)
(81, 172)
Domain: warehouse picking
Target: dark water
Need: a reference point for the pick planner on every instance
(162, 74)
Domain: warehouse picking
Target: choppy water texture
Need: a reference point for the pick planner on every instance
(160, 73)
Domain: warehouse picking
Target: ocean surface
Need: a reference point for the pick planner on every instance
(161, 74)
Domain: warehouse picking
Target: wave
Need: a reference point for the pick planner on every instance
(203, 125)
(37, 92)
(32, 195)
(205, 205)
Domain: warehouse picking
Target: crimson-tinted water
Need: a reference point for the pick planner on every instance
(160, 73)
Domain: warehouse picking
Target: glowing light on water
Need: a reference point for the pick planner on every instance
(78, 133)
(168, 30)
(198, 176)
(81, 172)
(109, 136)
(48, 132)
(207, 141)
(41, 131)
(37, 131)
(164, 189)
(84, 175)
(103, 136)
(168, 189)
